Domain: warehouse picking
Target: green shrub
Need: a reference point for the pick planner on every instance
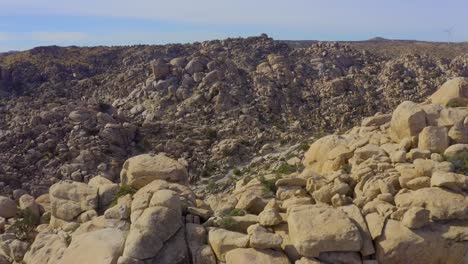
(24, 226)
(347, 168)
(211, 133)
(208, 169)
(212, 187)
(460, 162)
(227, 222)
(453, 104)
(286, 168)
(268, 185)
(304, 146)
(236, 212)
(237, 172)
(122, 191)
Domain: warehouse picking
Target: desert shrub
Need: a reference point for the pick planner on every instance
(268, 184)
(227, 222)
(211, 133)
(104, 107)
(453, 104)
(212, 187)
(347, 168)
(304, 146)
(286, 168)
(122, 191)
(460, 162)
(208, 169)
(236, 212)
(24, 226)
(237, 172)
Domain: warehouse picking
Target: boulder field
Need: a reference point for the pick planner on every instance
(392, 190)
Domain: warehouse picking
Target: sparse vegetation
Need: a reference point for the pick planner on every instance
(208, 169)
(237, 172)
(122, 191)
(460, 162)
(347, 168)
(453, 104)
(286, 168)
(268, 184)
(212, 187)
(211, 133)
(236, 212)
(304, 146)
(227, 222)
(24, 226)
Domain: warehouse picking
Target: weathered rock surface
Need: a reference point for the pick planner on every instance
(140, 170)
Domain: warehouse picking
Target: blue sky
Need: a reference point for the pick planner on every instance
(28, 23)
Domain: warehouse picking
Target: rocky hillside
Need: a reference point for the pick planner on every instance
(392, 189)
(74, 113)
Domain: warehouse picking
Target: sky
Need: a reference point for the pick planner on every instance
(25, 24)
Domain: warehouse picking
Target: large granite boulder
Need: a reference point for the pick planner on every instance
(140, 170)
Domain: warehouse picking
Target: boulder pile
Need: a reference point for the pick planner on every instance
(392, 190)
(73, 113)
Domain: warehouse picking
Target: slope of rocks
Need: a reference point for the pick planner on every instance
(73, 113)
(390, 190)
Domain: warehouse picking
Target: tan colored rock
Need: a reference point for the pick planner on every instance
(329, 229)
(197, 240)
(69, 199)
(160, 68)
(427, 167)
(221, 204)
(408, 119)
(140, 170)
(202, 213)
(44, 203)
(340, 257)
(453, 92)
(442, 204)
(456, 149)
(288, 248)
(453, 181)
(377, 120)
(416, 217)
(27, 202)
(262, 239)
(47, 248)
(304, 260)
(101, 246)
(269, 217)
(419, 183)
(239, 223)
(257, 256)
(428, 245)
(434, 139)
(418, 153)
(398, 156)
(317, 154)
(353, 212)
(295, 201)
(222, 241)
(121, 210)
(301, 182)
(458, 134)
(153, 227)
(7, 207)
(107, 190)
(157, 234)
(375, 222)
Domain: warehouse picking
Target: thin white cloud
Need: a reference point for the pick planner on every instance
(59, 37)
